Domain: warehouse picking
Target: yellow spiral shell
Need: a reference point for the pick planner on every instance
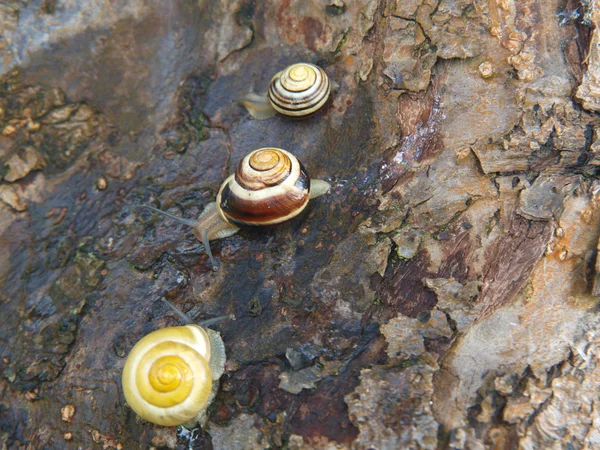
(299, 90)
(167, 379)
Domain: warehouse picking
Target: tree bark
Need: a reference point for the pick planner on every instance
(443, 294)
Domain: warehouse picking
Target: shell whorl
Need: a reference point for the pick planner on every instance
(167, 379)
(270, 186)
(299, 90)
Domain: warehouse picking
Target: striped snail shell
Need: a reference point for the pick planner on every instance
(270, 186)
(297, 91)
(168, 375)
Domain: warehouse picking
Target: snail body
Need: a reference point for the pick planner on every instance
(297, 91)
(270, 186)
(168, 376)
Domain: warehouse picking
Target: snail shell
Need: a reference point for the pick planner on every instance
(299, 90)
(270, 186)
(168, 376)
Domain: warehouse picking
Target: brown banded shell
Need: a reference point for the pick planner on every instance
(299, 90)
(270, 186)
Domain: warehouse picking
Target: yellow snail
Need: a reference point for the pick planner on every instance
(269, 187)
(297, 91)
(168, 376)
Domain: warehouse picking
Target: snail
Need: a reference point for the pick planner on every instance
(297, 91)
(270, 186)
(169, 375)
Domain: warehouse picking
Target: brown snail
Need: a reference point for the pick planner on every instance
(297, 91)
(170, 376)
(270, 186)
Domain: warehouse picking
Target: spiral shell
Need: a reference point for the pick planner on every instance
(269, 187)
(167, 378)
(299, 90)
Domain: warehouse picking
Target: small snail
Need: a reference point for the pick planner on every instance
(297, 91)
(168, 376)
(269, 187)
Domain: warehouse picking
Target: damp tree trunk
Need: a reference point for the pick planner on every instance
(442, 295)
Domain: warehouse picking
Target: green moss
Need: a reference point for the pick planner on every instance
(408, 363)
(198, 122)
(341, 43)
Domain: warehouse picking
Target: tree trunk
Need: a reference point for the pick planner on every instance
(443, 294)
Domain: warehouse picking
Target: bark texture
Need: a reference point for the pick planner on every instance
(444, 294)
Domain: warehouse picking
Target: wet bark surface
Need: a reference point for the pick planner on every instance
(443, 294)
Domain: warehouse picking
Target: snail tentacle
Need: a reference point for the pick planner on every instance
(188, 321)
(188, 222)
(177, 311)
(218, 319)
